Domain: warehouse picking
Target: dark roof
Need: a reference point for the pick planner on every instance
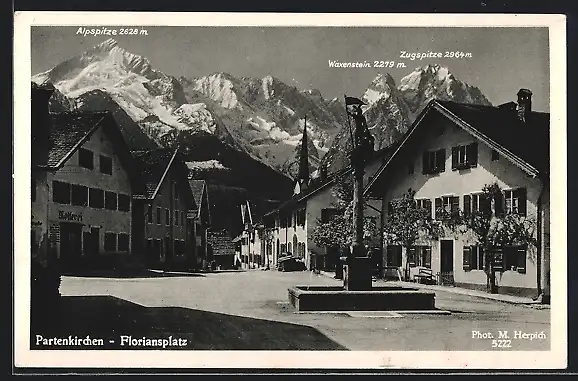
(318, 184)
(151, 165)
(67, 132)
(523, 142)
(197, 187)
(527, 140)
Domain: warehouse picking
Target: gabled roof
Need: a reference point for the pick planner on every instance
(67, 132)
(152, 167)
(318, 185)
(528, 141)
(526, 144)
(197, 187)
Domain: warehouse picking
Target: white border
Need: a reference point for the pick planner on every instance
(556, 358)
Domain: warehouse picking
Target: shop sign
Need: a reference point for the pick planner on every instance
(69, 216)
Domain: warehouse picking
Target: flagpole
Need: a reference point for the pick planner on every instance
(349, 122)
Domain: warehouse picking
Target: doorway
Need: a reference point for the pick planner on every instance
(446, 261)
(70, 245)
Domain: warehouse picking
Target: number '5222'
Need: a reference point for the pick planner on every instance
(501, 343)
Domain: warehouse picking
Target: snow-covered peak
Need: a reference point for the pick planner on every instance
(267, 84)
(106, 45)
(380, 88)
(220, 88)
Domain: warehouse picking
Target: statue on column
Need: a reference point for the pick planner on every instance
(363, 141)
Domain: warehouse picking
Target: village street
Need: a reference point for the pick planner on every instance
(250, 310)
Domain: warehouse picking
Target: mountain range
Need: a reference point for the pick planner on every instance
(251, 127)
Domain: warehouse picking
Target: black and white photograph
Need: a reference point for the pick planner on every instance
(342, 191)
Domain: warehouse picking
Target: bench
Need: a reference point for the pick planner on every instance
(425, 276)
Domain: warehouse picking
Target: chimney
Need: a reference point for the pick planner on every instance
(40, 118)
(524, 106)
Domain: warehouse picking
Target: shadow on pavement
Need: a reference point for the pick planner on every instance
(108, 318)
(129, 274)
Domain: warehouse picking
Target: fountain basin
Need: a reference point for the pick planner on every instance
(382, 298)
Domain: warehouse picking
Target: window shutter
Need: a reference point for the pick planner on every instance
(425, 163)
(455, 158)
(472, 154)
(498, 259)
(390, 208)
(521, 194)
(521, 265)
(499, 204)
(481, 259)
(411, 257)
(427, 257)
(427, 205)
(455, 204)
(441, 160)
(467, 204)
(438, 207)
(467, 256)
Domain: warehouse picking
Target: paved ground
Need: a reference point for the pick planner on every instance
(230, 302)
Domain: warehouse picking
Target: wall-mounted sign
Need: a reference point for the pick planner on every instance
(69, 216)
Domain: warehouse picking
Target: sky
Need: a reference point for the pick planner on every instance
(500, 62)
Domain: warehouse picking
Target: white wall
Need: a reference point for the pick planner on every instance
(459, 183)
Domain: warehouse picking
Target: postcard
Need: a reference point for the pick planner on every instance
(289, 191)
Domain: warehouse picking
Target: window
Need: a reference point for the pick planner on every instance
(176, 218)
(434, 161)
(158, 215)
(33, 190)
(515, 201)
(96, 198)
(495, 155)
(110, 201)
(85, 158)
(515, 258)
(328, 214)
(167, 217)
(124, 203)
(301, 216)
(60, 192)
(283, 248)
(289, 248)
(465, 156)
(150, 214)
(123, 242)
(425, 204)
(182, 218)
(473, 258)
(419, 256)
(110, 242)
(446, 206)
(476, 202)
(79, 195)
(105, 165)
(393, 253)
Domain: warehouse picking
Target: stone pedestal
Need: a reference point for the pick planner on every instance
(357, 274)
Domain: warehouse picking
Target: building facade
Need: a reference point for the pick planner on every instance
(162, 201)
(290, 227)
(201, 218)
(447, 157)
(81, 188)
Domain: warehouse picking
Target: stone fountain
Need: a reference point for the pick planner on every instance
(357, 292)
